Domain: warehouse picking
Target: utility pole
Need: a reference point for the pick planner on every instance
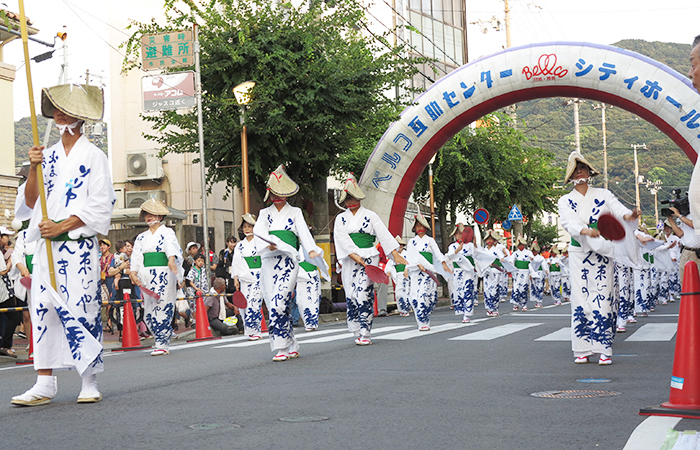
(654, 187)
(602, 107)
(507, 11)
(577, 134)
(636, 175)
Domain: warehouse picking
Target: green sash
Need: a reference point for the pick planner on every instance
(522, 264)
(455, 265)
(362, 240)
(496, 262)
(287, 236)
(64, 236)
(471, 260)
(155, 259)
(400, 268)
(649, 257)
(574, 242)
(554, 268)
(28, 262)
(428, 256)
(254, 262)
(307, 266)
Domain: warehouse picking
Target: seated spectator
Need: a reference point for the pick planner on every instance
(216, 309)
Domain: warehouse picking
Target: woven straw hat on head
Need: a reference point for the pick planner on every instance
(575, 157)
(535, 246)
(520, 240)
(420, 219)
(399, 240)
(81, 101)
(492, 234)
(153, 206)
(459, 228)
(554, 250)
(280, 184)
(249, 219)
(352, 189)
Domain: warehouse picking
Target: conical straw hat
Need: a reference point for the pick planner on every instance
(155, 207)
(351, 188)
(249, 219)
(491, 233)
(76, 100)
(575, 157)
(399, 240)
(459, 228)
(520, 240)
(280, 184)
(535, 246)
(422, 220)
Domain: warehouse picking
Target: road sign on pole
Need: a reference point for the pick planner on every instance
(481, 216)
(171, 49)
(164, 92)
(515, 215)
(506, 225)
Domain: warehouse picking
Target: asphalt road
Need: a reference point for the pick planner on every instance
(408, 390)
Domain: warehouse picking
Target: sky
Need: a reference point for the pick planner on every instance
(596, 21)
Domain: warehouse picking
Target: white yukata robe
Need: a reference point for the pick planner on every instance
(402, 285)
(423, 288)
(502, 276)
(491, 275)
(308, 294)
(625, 287)
(521, 259)
(157, 276)
(591, 266)
(278, 274)
(359, 289)
(565, 279)
(464, 280)
(537, 278)
(66, 324)
(555, 278)
(249, 284)
(23, 254)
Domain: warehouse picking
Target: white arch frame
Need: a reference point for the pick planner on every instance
(603, 73)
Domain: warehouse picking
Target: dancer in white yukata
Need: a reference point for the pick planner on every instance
(246, 268)
(464, 282)
(489, 261)
(521, 259)
(423, 254)
(22, 267)
(565, 275)
(156, 264)
(354, 232)
(66, 322)
(674, 281)
(538, 273)
(591, 262)
(503, 277)
(642, 275)
(402, 285)
(279, 232)
(625, 293)
(554, 263)
(308, 294)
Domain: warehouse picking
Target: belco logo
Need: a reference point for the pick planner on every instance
(546, 69)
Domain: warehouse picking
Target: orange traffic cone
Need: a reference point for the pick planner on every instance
(130, 335)
(30, 353)
(684, 400)
(203, 328)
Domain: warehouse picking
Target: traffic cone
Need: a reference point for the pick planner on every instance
(203, 328)
(30, 353)
(130, 335)
(684, 399)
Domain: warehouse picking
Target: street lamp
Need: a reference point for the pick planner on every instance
(244, 95)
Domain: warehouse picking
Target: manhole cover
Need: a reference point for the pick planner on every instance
(303, 419)
(213, 426)
(594, 380)
(574, 394)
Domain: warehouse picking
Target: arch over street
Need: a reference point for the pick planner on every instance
(603, 73)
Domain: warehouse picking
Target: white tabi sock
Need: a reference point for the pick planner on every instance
(46, 386)
(89, 385)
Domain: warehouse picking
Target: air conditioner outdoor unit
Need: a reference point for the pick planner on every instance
(143, 165)
(134, 199)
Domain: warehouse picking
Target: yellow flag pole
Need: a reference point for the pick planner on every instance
(35, 136)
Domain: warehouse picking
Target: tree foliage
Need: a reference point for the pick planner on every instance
(491, 167)
(321, 84)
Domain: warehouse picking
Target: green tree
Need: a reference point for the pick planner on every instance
(491, 167)
(321, 84)
(544, 233)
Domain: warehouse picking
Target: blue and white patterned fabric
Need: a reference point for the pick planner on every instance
(591, 265)
(423, 288)
(249, 286)
(66, 323)
(309, 296)
(402, 286)
(158, 315)
(521, 278)
(463, 291)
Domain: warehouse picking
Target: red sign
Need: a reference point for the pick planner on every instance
(481, 216)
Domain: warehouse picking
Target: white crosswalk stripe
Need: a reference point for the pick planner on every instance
(415, 333)
(495, 332)
(653, 332)
(561, 335)
(351, 336)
